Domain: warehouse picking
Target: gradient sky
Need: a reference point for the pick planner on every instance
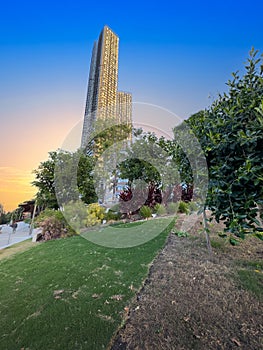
(174, 54)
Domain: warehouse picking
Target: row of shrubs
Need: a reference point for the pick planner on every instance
(54, 225)
(171, 208)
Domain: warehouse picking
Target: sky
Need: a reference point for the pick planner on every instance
(174, 54)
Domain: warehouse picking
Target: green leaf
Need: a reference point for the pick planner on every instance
(233, 241)
(222, 235)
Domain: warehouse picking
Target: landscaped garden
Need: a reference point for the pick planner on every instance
(96, 289)
(73, 294)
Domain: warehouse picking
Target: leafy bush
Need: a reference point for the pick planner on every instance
(152, 193)
(112, 215)
(53, 228)
(172, 208)
(145, 212)
(95, 214)
(183, 207)
(5, 218)
(259, 235)
(76, 214)
(159, 209)
(47, 213)
(193, 206)
(180, 233)
(115, 208)
(53, 225)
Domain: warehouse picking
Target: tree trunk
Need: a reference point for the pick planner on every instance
(206, 229)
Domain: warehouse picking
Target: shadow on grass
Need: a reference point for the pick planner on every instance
(129, 234)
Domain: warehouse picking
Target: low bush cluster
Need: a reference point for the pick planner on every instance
(77, 216)
(112, 215)
(95, 214)
(53, 228)
(53, 225)
(145, 212)
(159, 209)
(183, 207)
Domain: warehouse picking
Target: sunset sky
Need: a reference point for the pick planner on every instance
(173, 54)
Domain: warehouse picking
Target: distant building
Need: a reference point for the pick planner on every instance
(102, 96)
(27, 209)
(124, 110)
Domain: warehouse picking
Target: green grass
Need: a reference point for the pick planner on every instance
(130, 235)
(251, 277)
(258, 265)
(218, 243)
(96, 284)
(127, 224)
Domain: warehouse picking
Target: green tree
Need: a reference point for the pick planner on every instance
(148, 161)
(231, 135)
(2, 214)
(139, 161)
(85, 179)
(107, 145)
(44, 181)
(65, 176)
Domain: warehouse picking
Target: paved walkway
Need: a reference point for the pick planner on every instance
(8, 238)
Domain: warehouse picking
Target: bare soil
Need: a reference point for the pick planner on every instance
(191, 301)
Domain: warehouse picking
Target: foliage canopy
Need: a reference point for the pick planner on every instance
(231, 135)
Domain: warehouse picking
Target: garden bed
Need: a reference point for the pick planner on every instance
(192, 302)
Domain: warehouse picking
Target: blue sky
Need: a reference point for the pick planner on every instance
(172, 53)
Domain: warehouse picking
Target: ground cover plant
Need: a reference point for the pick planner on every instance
(250, 276)
(70, 293)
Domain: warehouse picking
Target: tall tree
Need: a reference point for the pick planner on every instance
(231, 135)
(64, 177)
(44, 181)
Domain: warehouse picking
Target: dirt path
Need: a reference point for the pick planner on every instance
(189, 302)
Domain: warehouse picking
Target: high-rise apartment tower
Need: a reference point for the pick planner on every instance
(102, 96)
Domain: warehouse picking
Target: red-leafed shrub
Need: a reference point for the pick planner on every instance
(132, 200)
(53, 225)
(183, 193)
(52, 228)
(154, 196)
(187, 193)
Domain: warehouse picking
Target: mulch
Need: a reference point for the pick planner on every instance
(191, 301)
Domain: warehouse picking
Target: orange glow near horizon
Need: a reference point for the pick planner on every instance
(15, 187)
(24, 147)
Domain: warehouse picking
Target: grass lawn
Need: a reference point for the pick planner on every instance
(250, 277)
(70, 293)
